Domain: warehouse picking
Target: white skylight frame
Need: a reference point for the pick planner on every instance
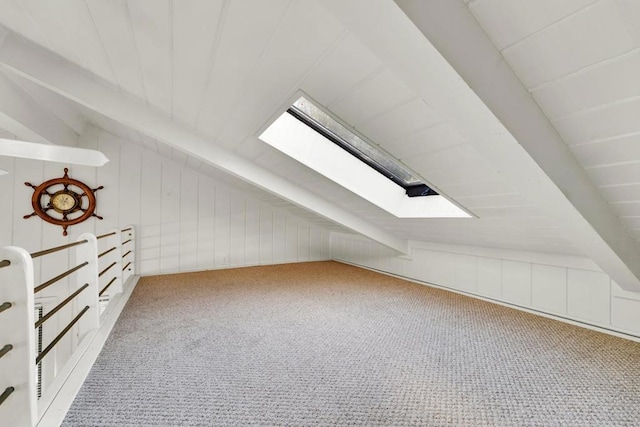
(317, 152)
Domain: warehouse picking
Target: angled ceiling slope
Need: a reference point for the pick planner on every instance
(536, 158)
(71, 81)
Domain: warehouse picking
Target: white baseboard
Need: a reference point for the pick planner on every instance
(575, 322)
(54, 408)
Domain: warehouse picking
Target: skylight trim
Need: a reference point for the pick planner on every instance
(315, 150)
(312, 116)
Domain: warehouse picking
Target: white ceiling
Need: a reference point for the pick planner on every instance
(222, 70)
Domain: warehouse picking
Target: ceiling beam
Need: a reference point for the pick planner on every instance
(500, 118)
(24, 117)
(73, 82)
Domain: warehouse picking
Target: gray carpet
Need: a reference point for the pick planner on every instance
(324, 344)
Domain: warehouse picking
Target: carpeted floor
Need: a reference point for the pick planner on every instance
(325, 344)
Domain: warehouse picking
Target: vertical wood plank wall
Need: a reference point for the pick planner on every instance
(186, 221)
(569, 287)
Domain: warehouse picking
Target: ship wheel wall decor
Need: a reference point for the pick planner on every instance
(63, 201)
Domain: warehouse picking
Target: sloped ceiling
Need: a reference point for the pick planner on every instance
(220, 71)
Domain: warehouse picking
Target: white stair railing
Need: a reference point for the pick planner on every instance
(17, 336)
(19, 404)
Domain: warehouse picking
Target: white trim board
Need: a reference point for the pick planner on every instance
(569, 320)
(86, 355)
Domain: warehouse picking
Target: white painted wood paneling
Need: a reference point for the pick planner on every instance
(280, 243)
(567, 286)
(589, 296)
(129, 185)
(580, 40)
(407, 118)
(291, 241)
(237, 231)
(508, 21)
(170, 217)
(619, 149)
(7, 188)
(242, 42)
(489, 277)
(549, 288)
(337, 73)
(114, 27)
(615, 79)
(609, 121)
(625, 314)
(516, 282)
(221, 233)
(206, 225)
(188, 221)
(152, 30)
(195, 24)
(252, 215)
(303, 243)
(83, 36)
(266, 234)
(150, 214)
(466, 273)
(380, 93)
(441, 268)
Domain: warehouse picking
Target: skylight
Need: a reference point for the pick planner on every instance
(311, 136)
(314, 117)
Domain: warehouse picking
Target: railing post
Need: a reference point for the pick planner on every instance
(128, 252)
(17, 365)
(89, 274)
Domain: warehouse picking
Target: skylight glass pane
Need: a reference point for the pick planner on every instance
(385, 164)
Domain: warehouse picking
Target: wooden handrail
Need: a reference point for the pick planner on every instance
(60, 335)
(57, 248)
(58, 277)
(5, 263)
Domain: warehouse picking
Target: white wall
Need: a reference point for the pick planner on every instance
(569, 287)
(185, 221)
